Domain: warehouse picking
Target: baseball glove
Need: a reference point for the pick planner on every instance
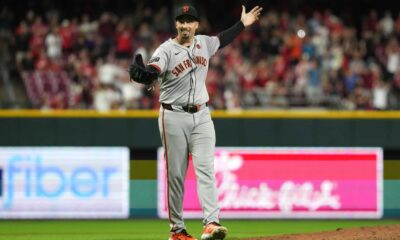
(139, 73)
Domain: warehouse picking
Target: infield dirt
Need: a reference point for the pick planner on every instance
(386, 232)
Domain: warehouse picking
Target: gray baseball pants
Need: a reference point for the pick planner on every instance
(183, 133)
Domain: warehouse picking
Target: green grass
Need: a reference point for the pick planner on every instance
(144, 229)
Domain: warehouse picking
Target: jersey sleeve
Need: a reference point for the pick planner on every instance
(212, 44)
(159, 60)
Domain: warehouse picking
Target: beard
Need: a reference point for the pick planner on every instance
(185, 34)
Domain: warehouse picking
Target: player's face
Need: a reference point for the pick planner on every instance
(186, 27)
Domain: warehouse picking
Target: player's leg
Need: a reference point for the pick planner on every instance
(202, 148)
(174, 132)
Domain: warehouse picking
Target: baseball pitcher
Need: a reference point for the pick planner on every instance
(180, 64)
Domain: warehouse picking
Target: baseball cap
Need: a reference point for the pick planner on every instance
(188, 10)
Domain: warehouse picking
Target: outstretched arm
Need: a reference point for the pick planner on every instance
(246, 19)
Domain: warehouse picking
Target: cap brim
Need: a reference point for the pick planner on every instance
(187, 15)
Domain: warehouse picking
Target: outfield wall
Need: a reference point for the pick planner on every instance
(138, 130)
(282, 128)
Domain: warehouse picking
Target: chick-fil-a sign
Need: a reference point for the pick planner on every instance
(288, 183)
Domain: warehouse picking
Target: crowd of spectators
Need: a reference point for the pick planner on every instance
(284, 61)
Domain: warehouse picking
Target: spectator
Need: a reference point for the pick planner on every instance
(124, 44)
(393, 56)
(107, 32)
(22, 36)
(108, 73)
(53, 44)
(387, 24)
(106, 98)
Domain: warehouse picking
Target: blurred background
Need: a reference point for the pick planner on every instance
(315, 54)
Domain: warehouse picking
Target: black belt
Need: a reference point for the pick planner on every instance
(188, 108)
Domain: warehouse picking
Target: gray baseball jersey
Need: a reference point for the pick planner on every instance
(184, 70)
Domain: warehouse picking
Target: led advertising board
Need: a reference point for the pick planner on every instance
(64, 182)
(288, 183)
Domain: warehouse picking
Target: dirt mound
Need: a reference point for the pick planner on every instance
(386, 232)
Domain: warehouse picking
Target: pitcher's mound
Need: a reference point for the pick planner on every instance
(386, 232)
